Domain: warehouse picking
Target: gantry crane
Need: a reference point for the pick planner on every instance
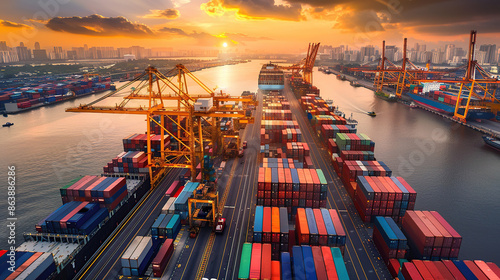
(172, 100)
(306, 65)
(388, 73)
(477, 82)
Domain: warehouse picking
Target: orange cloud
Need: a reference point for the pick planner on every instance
(164, 14)
(6, 23)
(253, 9)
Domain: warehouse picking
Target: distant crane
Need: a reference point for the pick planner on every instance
(306, 65)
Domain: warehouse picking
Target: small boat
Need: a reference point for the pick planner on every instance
(329, 101)
(371, 114)
(355, 83)
(492, 142)
(7, 124)
(5, 114)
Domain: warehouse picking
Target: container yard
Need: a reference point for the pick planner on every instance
(315, 203)
(16, 100)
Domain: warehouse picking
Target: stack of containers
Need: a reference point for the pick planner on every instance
(73, 218)
(107, 191)
(280, 163)
(389, 239)
(271, 226)
(272, 130)
(382, 196)
(138, 142)
(268, 114)
(160, 261)
(169, 207)
(291, 188)
(272, 151)
(447, 269)
(330, 131)
(166, 226)
(351, 169)
(297, 150)
(28, 265)
(318, 262)
(357, 155)
(128, 162)
(319, 227)
(181, 202)
(354, 142)
(137, 257)
(430, 236)
(291, 135)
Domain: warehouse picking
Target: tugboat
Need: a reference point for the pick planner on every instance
(371, 114)
(7, 124)
(492, 142)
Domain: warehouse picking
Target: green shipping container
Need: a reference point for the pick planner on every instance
(246, 254)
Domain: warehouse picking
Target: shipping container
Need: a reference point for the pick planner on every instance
(255, 261)
(246, 256)
(139, 254)
(286, 266)
(298, 263)
(257, 227)
(162, 257)
(309, 267)
(319, 263)
(339, 263)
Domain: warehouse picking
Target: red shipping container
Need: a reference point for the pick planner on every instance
(453, 269)
(266, 262)
(331, 272)
(443, 270)
(434, 270)
(275, 270)
(255, 261)
(422, 269)
(476, 270)
(266, 225)
(410, 272)
(319, 263)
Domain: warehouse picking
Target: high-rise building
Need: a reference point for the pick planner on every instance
(23, 53)
(490, 53)
(37, 45)
(449, 51)
(438, 56)
(3, 46)
(40, 55)
(390, 51)
(367, 53)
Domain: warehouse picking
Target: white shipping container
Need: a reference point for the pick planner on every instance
(130, 250)
(168, 205)
(34, 270)
(140, 252)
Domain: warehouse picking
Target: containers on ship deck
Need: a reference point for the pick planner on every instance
(388, 238)
(382, 196)
(430, 237)
(291, 188)
(446, 269)
(319, 227)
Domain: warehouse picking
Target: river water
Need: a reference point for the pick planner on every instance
(448, 165)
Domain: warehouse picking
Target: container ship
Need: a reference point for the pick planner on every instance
(445, 101)
(20, 99)
(271, 78)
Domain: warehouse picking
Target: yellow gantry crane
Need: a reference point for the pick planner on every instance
(168, 96)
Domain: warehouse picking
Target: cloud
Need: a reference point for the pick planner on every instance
(253, 9)
(164, 14)
(172, 31)
(7, 23)
(359, 21)
(97, 25)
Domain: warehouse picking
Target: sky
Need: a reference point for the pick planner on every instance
(268, 26)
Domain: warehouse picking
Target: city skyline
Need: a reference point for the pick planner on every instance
(268, 26)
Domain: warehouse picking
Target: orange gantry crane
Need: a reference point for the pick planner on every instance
(306, 65)
(168, 96)
(477, 83)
